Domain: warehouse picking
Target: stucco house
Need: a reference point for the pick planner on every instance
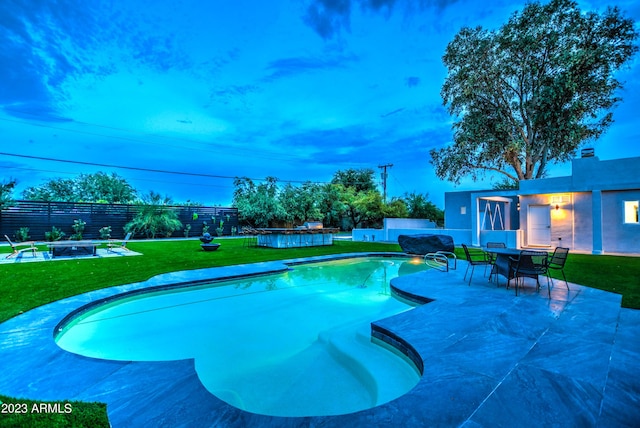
(595, 210)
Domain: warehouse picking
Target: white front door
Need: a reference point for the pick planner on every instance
(539, 225)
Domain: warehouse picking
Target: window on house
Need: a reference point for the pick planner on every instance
(631, 211)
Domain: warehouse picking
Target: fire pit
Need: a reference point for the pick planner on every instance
(207, 245)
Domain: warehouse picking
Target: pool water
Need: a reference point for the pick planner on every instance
(296, 343)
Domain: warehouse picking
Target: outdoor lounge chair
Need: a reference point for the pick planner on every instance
(473, 261)
(31, 246)
(116, 243)
(556, 262)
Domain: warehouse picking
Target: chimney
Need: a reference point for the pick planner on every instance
(587, 153)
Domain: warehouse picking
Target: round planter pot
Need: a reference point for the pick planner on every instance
(209, 247)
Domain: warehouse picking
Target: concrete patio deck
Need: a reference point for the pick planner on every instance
(490, 359)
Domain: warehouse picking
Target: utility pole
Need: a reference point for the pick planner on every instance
(384, 175)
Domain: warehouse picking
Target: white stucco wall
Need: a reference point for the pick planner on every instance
(582, 222)
(408, 223)
(618, 236)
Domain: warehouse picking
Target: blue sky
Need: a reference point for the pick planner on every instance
(291, 89)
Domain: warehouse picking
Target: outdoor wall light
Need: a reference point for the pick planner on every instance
(558, 200)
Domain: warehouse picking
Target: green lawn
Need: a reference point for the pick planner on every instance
(29, 285)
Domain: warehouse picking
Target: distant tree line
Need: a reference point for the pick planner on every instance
(350, 200)
(98, 187)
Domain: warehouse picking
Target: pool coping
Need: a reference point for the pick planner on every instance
(458, 387)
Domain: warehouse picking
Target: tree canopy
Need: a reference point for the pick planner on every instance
(532, 92)
(350, 200)
(6, 193)
(419, 206)
(98, 187)
(258, 204)
(361, 180)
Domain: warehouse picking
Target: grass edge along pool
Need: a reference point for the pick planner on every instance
(276, 344)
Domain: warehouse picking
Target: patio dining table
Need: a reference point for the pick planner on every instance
(502, 264)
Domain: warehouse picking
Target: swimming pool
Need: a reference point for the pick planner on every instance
(296, 343)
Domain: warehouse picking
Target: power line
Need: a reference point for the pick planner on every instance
(200, 184)
(162, 171)
(231, 151)
(134, 168)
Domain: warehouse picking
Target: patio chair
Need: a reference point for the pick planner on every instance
(250, 237)
(492, 257)
(473, 260)
(556, 262)
(530, 264)
(31, 246)
(116, 243)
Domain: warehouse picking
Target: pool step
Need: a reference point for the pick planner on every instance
(318, 385)
(342, 363)
(382, 371)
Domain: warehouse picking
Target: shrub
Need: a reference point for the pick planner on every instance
(78, 228)
(22, 234)
(220, 229)
(55, 234)
(105, 232)
(187, 229)
(155, 218)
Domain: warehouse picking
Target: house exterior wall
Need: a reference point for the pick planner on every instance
(583, 221)
(617, 174)
(618, 236)
(571, 223)
(461, 209)
(590, 213)
(454, 217)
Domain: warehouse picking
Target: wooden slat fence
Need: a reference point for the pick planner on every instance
(40, 217)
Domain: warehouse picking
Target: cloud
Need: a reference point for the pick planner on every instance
(329, 17)
(290, 66)
(41, 111)
(379, 4)
(412, 81)
(40, 42)
(392, 112)
(45, 45)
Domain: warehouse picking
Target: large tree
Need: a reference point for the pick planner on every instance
(258, 205)
(6, 193)
(301, 203)
(331, 205)
(98, 187)
(56, 189)
(361, 180)
(102, 187)
(419, 206)
(532, 92)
